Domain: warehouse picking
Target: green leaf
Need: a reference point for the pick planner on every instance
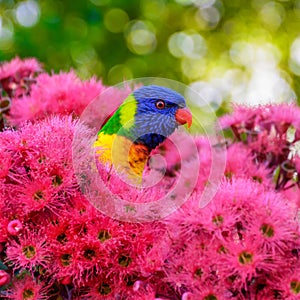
(3, 266)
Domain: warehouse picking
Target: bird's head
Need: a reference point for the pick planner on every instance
(159, 112)
(150, 114)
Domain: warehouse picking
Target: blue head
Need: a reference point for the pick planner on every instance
(159, 112)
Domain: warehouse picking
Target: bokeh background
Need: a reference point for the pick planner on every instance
(228, 50)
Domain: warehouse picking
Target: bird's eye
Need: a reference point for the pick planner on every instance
(160, 104)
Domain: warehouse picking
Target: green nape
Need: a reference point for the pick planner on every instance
(123, 119)
(113, 125)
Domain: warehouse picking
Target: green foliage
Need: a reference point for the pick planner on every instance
(3, 266)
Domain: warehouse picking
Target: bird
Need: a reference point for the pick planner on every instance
(141, 123)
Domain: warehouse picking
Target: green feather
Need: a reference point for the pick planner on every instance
(123, 119)
(113, 125)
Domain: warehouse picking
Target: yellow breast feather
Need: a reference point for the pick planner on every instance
(126, 157)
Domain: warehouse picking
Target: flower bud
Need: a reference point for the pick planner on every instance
(14, 227)
(4, 278)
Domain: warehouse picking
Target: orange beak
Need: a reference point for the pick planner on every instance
(184, 116)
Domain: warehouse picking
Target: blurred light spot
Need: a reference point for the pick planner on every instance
(27, 13)
(204, 3)
(297, 8)
(193, 68)
(246, 54)
(234, 83)
(140, 37)
(115, 20)
(138, 65)
(100, 2)
(208, 95)
(76, 27)
(241, 53)
(258, 4)
(185, 2)
(175, 44)
(272, 14)
(142, 40)
(294, 62)
(265, 86)
(182, 44)
(211, 15)
(119, 73)
(266, 83)
(82, 53)
(89, 69)
(6, 34)
(295, 51)
(199, 3)
(153, 9)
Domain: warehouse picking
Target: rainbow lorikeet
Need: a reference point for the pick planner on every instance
(143, 121)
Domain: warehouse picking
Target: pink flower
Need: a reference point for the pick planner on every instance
(264, 131)
(4, 278)
(175, 150)
(5, 163)
(187, 296)
(81, 248)
(16, 65)
(138, 285)
(101, 288)
(3, 226)
(283, 116)
(16, 76)
(190, 264)
(14, 227)
(243, 117)
(274, 228)
(36, 195)
(207, 292)
(47, 160)
(110, 287)
(288, 284)
(239, 237)
(29, 252)
(64, 263)
(66, 280)
(27, 287)
(144, 290)
(292, 195)
(62, 93)
(240, 163)
(245, 261)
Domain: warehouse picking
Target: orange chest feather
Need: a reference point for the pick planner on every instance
(122, 154)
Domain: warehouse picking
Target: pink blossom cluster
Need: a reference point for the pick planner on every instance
(33, 94)
(55, 245)
(271, 135)
(17, 76)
